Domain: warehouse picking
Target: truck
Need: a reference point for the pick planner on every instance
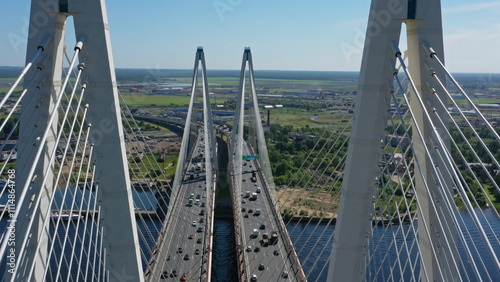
(274, 238)
(254, 176)
(254, 196)
(265, 239)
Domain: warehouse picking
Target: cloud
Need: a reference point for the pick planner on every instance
(473, 50)
(467, 8)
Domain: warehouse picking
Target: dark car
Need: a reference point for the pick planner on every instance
(262, 226)
(243, 209)
(198, 241)
(250, 211)
(179, 250)
(174, 272)
(186, 257)
(165, 274)
(261, 267)
(257, 249)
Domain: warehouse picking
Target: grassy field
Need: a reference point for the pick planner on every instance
(139, 100)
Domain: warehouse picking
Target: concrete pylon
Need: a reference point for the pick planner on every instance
(117, 216)
(353, 228)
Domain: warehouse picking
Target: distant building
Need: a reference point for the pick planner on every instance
(301, 137)
(393, 140)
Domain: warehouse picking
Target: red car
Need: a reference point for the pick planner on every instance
(191, 236)
(246, 215)
(184, 277)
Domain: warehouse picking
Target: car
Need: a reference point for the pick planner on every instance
(250, 211)
(191, 236)
(258, 190)
(197, 202)
(194, 223)
(165, 274)
(201, 220)
(200, 229)
(179, 250)
(284, 274)
(261, 267)
(254, 277)
(243, 209)
(186, 257)
(276, 252)
(246, 215)
(202, 212)
(174, 272)
(249, 248)
(243, 180)
(198, 196)
(184, 277)
(198, 241)
(197, 252)
(192, 195)
(262, 226)
(202, 205)
(257, 249)
(243, 201)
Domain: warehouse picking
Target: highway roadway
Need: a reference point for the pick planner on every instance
(184, 247)
(267, 263)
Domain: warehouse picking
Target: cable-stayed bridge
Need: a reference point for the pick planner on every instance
(414, 176)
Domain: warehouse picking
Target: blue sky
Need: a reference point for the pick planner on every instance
(283, 34)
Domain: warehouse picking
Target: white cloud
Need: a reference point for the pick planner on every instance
(473, 50)
(467, 8)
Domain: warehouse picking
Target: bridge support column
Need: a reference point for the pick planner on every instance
(425, 27)
(353, 228)
(120, 239)
(53, 33)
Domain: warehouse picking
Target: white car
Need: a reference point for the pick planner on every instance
(194, 223)
(254, 277)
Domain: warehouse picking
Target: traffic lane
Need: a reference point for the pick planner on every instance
(265, 254)
(191, 267)
(274, 265)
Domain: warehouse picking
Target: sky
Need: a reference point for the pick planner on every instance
(283, 34)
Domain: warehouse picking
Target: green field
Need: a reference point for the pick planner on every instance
(139, 100)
